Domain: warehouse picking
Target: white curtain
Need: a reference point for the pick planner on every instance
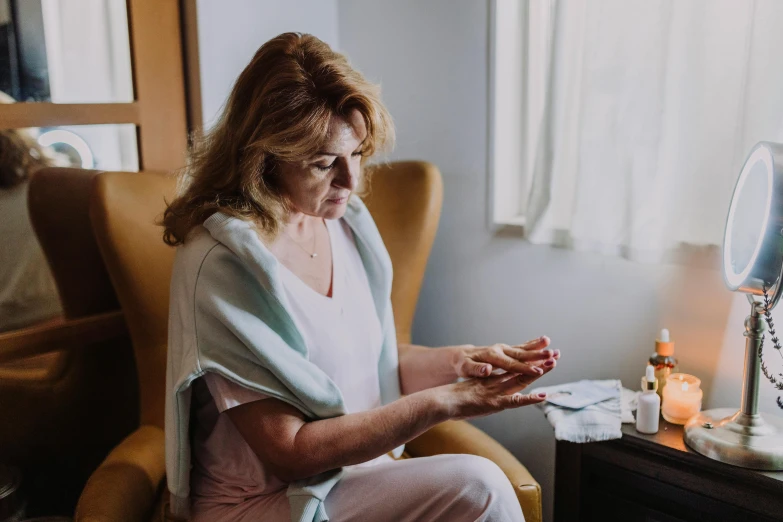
(87, 50)
(651, 107)
(89, 61)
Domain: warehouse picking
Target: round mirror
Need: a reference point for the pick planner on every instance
(753, 244)
(752, 263)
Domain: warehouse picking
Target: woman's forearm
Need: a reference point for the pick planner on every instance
(356, 438)
(295, 448)
(422, 367)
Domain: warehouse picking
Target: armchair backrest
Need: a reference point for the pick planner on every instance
(58, 200)
(405, 201)
(124, 210)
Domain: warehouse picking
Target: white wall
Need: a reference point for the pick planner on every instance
(603, 313)
(229, 34)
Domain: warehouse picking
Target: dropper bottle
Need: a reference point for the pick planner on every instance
(663, 359)
(648, 409)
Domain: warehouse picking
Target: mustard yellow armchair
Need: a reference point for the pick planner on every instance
(405, 201)
(49, 371)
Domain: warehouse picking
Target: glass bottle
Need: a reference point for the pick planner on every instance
(663, 359)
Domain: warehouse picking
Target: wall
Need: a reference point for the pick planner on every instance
(230, 33)
(603, 313)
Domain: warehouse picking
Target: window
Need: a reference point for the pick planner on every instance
(517, 97)
(620, 126)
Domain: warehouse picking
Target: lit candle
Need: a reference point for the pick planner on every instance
(681, 398)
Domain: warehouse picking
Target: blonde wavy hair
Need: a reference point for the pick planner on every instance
(278, 111)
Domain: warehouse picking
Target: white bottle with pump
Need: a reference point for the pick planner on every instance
(648, 410)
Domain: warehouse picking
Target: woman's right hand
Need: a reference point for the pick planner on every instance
(483, 396)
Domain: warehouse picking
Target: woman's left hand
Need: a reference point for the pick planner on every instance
(523, 359)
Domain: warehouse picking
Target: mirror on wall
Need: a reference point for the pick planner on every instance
(28, 294)
(27, 291)
(65, 51)
(57, 51)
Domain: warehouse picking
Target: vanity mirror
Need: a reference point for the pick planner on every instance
(752, 264)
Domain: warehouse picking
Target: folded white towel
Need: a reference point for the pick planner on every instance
(593, 423)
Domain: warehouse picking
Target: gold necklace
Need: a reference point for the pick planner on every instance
(312, 254)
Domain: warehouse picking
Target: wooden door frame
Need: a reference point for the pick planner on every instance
(159, 110)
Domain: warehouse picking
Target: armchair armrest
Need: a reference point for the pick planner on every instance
(127, 485)
(462, 437)
(61, 334)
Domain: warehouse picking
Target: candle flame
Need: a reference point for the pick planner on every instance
(684, 386)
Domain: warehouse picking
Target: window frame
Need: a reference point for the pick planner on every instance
(158, 110)
(512, 65)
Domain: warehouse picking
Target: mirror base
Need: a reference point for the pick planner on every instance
(732, 437)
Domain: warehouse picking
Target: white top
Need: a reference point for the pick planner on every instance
(343, 337)
(342, 333)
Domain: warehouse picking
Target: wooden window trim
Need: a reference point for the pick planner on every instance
(159, 83)
(23, 115)
(159, 112)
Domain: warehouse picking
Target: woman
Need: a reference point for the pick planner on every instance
(282, 356)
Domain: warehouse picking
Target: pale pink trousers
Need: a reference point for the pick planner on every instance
(448, 488)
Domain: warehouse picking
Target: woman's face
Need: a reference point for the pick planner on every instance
(321, 184)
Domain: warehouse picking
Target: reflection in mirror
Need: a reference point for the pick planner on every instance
(65, 51)
(102, 147)
(749, 219)
(27, 291)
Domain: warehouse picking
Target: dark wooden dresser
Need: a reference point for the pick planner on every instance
(656, 478)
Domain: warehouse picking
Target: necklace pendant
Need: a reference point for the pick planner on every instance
(313, 255)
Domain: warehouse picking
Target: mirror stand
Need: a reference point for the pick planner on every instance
(743, 438)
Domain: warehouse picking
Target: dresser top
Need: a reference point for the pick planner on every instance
(670, 442)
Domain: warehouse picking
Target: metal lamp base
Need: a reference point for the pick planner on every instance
(733, 437)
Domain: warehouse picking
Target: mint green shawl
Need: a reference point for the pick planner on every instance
(229, 314)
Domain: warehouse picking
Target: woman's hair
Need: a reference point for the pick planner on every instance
(20, 156)
(279, 110)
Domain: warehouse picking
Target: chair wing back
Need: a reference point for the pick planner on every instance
(405, 200)
(58, 203)
(125, 208)
(61, 423)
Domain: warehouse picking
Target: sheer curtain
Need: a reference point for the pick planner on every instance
(88, 59)
(651, 106)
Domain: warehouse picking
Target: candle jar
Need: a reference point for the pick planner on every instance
(681, 398)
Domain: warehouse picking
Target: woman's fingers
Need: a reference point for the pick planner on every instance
(535, 344)
(476, 369)
(478, 397)
(517, 400)
(512, 365)
(498, 379)
(497, 357)
(523, 359)
(520, 382)
(530, 355)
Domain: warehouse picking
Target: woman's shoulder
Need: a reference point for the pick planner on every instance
(196, 258)
(195, 249)
(207, 263)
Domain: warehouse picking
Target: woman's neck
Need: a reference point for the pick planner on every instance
(301, 226)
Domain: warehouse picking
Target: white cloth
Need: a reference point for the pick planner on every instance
(651, 107)
(343, 337)
(593, 423)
